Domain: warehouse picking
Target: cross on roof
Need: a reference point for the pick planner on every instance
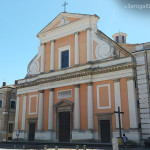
(65, 6)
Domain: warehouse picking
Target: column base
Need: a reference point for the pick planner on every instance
(80, 135)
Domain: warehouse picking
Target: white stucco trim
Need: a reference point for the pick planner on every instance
(61, 49)
(71, 70)
(78, 80)
(109, 96)
(31, 113)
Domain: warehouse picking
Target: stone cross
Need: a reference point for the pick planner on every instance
(119, 112)
(65, 6)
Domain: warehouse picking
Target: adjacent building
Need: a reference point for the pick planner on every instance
(141, 53)
(7, 111)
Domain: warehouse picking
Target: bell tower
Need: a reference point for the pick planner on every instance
(120, 38)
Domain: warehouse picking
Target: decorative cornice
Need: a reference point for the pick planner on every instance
(77, 74)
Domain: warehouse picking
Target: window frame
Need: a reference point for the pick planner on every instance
(61, 49)
(13, 101)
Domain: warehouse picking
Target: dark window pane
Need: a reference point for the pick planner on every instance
(117, 39)
(65, 59)
(0, 103)
(10, 128)
(122, 39)
(13, 104)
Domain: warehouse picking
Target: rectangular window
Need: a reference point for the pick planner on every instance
(0, 103)
(65, 59)
(13, 104)
(10, 127)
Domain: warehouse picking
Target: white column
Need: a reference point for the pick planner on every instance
(17, 112)
(50, 117)
(117, 100)
(76, 49)
(40, 115)
(89, 53)
(77, 108)
(24, 112)
(132, 103)
(90, 106)
(52, 56)
(42, 57)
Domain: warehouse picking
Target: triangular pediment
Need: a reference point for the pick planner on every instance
(61, 20)
(64, 103)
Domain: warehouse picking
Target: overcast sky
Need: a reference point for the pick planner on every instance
(21, 20)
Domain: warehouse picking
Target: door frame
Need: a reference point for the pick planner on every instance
(63, 106)
(31, 120)
(104, 116)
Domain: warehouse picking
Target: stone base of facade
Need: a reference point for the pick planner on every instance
(132, 135)
(22, 136)
(77, 136)
(45, 136)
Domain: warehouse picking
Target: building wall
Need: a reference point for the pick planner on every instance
(7, 114)
(105, 99)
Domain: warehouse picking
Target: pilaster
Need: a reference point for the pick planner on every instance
(51, 102)
(40, 115)
(76, 48)
(77, 108)
(24, 112)
(52, 56)
(90, 106)
(17, 112)
(132, 103)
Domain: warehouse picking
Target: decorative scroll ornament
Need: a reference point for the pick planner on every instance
(104, 48)
(33, 67)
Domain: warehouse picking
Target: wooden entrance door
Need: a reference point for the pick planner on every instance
(64, 126)
(105, 131)
(31, 131)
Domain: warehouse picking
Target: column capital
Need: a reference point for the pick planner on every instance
(77, 85)
(76, 33)
(52, 89)
(25, 94)
(41, 91)
(52, 41)
(88, 29)
(89, 83)
(116, 80)
(43, 44)
(130, 78)
(18, 95)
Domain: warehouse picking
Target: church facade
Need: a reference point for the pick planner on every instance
(77, 80)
